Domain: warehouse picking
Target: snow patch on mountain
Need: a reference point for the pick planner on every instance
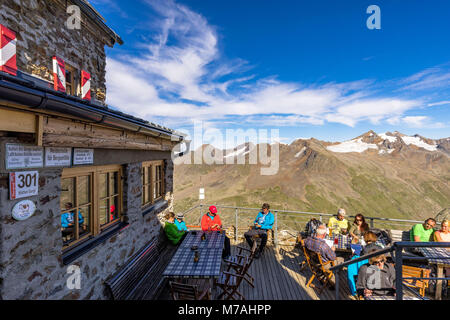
(384, 136)
(237, 152)
(300, 152)
(355, 145)
(419, 143)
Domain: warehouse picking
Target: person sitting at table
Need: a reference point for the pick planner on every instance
(376, 277)
(317, 243)
(68, 221)
(263, 222)
(422, 232)
(370, 239)
(358, 228)
(443, 235)
(339, 224)
(211, 222)
(181, 225)
(173, 234)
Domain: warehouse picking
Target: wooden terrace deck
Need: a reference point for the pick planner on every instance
(278, 277)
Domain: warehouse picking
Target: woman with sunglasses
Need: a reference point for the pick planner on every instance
(376, 278)
(358, 228)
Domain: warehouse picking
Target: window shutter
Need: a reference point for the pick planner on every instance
(59, 74)
(8, 51)
(85, 85)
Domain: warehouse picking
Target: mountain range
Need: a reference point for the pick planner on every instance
(380, 175)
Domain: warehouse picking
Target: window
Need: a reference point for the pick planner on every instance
(91, 201)
(71, 81)
(152, 182)
(76, 206)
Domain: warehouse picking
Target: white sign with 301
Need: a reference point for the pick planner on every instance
(23, 184)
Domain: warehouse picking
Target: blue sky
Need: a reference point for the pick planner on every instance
(307, 68)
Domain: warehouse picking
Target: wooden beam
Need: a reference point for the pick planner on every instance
(39, 129)
(17, 121)
(56, 140)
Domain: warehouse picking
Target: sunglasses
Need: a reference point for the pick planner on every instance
(378, 262)
(358, 219)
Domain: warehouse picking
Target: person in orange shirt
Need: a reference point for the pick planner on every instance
(211, 222)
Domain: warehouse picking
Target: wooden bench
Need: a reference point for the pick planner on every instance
(420, 284)
(141, 277)
(399, 235)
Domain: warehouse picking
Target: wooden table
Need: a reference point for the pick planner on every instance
(441, 258)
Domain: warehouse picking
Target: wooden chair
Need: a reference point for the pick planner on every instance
(229, 282)
(421, 284)
(318, 267)
(240, 261)
(181, 291)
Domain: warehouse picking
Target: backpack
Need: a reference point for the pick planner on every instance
(382, 236)
(311, 227)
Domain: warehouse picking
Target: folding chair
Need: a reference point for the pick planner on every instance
(229, 283)
(240, 261)
(318, 267)
(181, 291)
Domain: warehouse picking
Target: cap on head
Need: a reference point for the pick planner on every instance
(213, 209)
(180, 216)
(341, 212)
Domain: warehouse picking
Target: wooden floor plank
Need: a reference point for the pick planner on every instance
(274, 270)
(294, 267)
(287, 282)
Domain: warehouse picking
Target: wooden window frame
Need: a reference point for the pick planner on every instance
(95, 229)
(151, 167)
(76, 207)
(73, 83)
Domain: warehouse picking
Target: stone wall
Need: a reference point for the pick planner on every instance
(41, 34)
(31, 251)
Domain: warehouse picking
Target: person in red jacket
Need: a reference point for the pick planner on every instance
(211, 222)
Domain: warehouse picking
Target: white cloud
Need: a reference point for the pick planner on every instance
(177, 78)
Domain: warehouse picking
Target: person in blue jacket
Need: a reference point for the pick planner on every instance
(68, 220)
(181, 225)
(263, 222)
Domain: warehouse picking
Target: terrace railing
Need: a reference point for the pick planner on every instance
(397, 248)
(287, 223)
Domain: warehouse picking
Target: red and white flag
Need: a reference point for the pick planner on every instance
(85, 85)
(59, 74)
(8, 43)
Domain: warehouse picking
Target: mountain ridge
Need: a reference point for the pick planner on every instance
(387, 175)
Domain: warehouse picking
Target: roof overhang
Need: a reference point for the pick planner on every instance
(27, 93)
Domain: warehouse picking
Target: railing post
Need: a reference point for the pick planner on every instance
(236, 225)
(276, 230)
(371, 223)
(320, 218)
(398, 272)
